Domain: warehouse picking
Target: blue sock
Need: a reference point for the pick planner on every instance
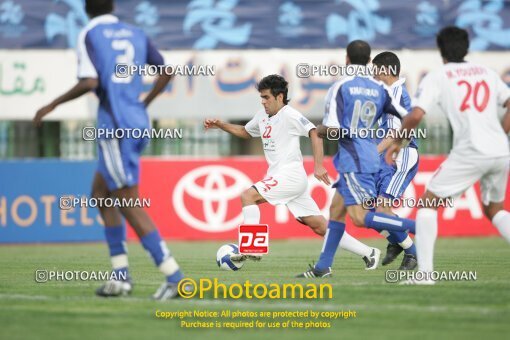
(116, 240)
(331, 242)
(396, 237)
(380, 221)
(153, 243)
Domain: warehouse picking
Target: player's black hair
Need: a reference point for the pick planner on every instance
(277, 84)
(358, 52)
(390, 62)
(453, 43)
(98, 7)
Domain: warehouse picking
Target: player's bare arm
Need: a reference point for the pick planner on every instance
(410, 122)
(318, 156)
(384, 144)
(322, 131)
(83, 86)
(160, 84)
(506, 117)
(234, 129)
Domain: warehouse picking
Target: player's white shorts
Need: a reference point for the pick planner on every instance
(290, 189)
(456, 174)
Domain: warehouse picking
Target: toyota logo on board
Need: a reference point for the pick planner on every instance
(214, 191)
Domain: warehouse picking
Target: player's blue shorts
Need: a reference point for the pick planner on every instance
(119, 161)
(356, 188)
(393, 180)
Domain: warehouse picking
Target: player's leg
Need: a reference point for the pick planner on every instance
(124, 168)
(452, 178)
(379, 221)
(398, 241)
(358, 188)
(334, 233)
(114, 229)
(279, 188)
(369, 254)
(152, 242)
(393, 249)
(346, 195)
(276, 189)
(306, 211)
(499, 217)
(383, 178)
(493, 187)
(426, 234)
(317, 223)
(393, 181)
(250, 200)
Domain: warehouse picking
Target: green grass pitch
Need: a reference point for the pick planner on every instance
(69, 310)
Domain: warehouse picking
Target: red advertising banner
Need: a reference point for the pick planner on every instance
(200, 199)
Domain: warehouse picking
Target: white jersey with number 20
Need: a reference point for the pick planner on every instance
(470, 95)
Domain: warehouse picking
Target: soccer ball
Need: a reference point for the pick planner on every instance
(223, 257)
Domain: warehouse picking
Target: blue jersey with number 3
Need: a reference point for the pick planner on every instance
(106, 50)
(354, 103)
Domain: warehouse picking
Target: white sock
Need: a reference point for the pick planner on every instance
(169, 266)
(502, 221)
(119, 261)
(407, 243)
(353, 245)
(426, 234)
(251, 214)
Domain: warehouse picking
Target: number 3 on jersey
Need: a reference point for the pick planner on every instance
(478, 95)
(123, 61)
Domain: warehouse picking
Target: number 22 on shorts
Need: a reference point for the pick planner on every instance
(269, 183)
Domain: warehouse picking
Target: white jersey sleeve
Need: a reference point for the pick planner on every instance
(428, 95)
(85, 67)
(503, 91)
(330, 113)
(252, 127)
(298, 124)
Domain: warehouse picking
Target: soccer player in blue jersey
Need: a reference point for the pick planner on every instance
(103, 44)
(392, 180)
(353, 103)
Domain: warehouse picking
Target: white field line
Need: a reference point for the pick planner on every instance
(266, 305)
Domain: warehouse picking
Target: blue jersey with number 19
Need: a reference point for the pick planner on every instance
(354, 103)
(106, 48)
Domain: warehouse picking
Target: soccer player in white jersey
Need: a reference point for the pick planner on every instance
(469, 95)
(280, 126)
